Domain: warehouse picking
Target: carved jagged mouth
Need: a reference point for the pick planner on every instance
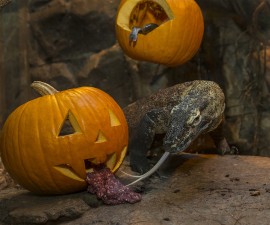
(66, 169)
(112, 163)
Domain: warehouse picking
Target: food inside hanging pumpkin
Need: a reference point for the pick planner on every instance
(146, 12)
(169, 32)
(144, 18)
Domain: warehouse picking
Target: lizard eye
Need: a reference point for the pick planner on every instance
(195, 118)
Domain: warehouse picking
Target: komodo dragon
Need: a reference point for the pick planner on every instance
(181, 112)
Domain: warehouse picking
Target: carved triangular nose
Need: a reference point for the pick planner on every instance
(100, 138)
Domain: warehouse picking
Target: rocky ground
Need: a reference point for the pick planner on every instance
(191, 189)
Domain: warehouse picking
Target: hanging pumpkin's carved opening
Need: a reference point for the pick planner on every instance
(142, 17)
(147, 12)
(69, 126)
(144, 14)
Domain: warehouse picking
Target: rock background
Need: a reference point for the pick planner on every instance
(72, 43)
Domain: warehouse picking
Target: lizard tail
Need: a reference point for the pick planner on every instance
(151, 171)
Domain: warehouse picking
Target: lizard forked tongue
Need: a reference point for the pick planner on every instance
(152, 170)
(104, 184)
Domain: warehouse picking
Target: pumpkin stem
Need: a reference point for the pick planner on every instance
(43, 88)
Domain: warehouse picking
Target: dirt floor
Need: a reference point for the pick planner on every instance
(191, 190)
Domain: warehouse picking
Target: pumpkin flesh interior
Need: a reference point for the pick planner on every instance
(140, 13)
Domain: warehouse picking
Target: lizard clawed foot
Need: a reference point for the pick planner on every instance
(151, 171)
(139, 163)
(233, 150)
(223, 147)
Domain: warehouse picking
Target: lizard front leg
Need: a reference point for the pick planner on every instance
(153, 122)
(220, 141)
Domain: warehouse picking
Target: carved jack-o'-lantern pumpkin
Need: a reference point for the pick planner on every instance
(161, 31)
(48, 144)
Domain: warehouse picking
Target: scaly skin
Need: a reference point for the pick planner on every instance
(141, 30)
(182, 113)
(4, 2)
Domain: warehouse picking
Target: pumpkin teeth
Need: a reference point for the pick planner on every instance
(90, 170)
(111, 161)
(66, 170)
(120, 160)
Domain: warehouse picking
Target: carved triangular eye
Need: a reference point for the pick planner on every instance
(114, 120)
(66, 128)
(100, 138)
(70, 125)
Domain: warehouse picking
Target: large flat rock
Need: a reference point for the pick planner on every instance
(191, 189)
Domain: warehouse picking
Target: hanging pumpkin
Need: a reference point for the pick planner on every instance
(161, 31)
(49, 144)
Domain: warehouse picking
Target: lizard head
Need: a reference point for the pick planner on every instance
(193, 116)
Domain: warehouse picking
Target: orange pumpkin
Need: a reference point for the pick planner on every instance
(176, 38)
(48, 144)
